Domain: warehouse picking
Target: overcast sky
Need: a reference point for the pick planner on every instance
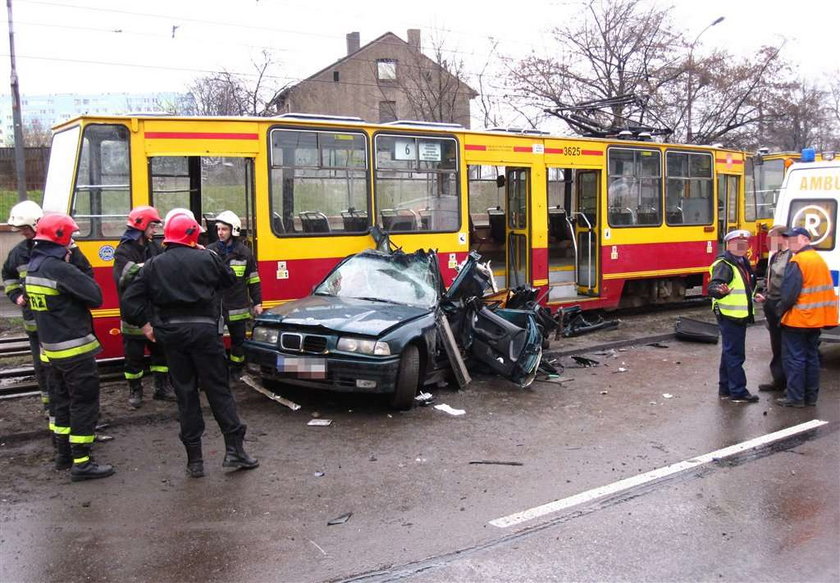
(93, 46)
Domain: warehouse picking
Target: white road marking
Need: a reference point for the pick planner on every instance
(657, 474)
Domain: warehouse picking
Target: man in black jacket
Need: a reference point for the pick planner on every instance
(246, 294)
(176, 299)
(61, 296)
(136, 247)
(24, 217)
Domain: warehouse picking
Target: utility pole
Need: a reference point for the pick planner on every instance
(20, 156)
(689, 133)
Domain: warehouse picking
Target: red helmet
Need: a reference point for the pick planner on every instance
(140, 217)
(56, 227)
(181, 229)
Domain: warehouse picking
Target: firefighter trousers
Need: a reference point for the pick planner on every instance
(74, 387)
(196, 357)
(134, 347)
(236, 329)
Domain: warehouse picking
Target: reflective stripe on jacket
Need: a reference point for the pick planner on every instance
(735, 304)
(816, 305)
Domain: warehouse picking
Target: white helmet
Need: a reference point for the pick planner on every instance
(25, 214)
(177, 211)
(230, 218)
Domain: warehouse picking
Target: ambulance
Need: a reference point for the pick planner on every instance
(809, 198)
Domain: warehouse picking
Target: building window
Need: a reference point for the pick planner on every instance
(335, 76)
(386, 69)
(387, 111)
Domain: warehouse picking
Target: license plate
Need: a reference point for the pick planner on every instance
(302, 367)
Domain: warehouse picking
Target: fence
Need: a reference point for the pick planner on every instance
(36, 168)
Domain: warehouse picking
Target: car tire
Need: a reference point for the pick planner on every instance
(408, 379)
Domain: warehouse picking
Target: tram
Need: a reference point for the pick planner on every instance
(599, 223)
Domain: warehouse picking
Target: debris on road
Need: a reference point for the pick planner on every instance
(667, 396)
(447, 409)
(425, 399)
(658, 345)
(696, 331)
(340, 519)
(255, 384)
(585, 362)
(320, 422)
(495, 463)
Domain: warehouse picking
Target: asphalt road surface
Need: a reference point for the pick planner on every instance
(422, 510)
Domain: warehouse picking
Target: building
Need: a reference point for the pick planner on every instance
(385, 80)
(45, 111)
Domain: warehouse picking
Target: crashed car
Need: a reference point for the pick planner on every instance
(373, 325)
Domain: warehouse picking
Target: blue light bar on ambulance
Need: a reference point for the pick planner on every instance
(808, 155)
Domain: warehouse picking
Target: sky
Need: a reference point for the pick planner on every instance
(129, 46)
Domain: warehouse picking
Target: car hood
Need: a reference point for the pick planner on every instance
(343, 315)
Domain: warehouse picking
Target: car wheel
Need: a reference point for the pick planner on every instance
(408, 379)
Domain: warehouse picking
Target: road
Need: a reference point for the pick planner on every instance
(421, 511)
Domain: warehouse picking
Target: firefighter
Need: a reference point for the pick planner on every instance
(246, 295)
(136, 247)
(176, 299)
(24, 217)
(61, 296)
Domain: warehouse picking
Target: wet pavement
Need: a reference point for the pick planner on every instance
(422, 511)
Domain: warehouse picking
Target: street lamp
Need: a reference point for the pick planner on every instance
(718, 20)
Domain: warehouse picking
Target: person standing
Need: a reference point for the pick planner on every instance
(239, 300)
(176, 299)
(137, 246)
(808, 303)
(24, 217)
(731, 288)
(61, 296)
(780, 255)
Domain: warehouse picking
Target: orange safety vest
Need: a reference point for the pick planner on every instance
(816, 306)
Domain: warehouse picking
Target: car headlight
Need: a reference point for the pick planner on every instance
(362, 346)
(265, 334)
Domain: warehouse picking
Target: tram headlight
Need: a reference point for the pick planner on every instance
(363, 346)
(265, 334)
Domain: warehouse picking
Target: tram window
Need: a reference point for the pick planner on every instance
(102, 194)
(634, 195)
(417, 183)
(319, 182)
(768, 181)
(689, 187)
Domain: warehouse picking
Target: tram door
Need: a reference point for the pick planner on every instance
(587, 253)
(729, 200)
(207, 185)
(518, 186)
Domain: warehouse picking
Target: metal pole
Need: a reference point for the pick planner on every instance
(689, 133)
(20, 157)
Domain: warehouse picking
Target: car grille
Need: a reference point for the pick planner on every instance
(303, 342)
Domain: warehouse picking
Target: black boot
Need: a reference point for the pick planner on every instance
(235, 456)
(84, 468)
(135, 393)
(163, 389)
(195, 461)
(63, 456)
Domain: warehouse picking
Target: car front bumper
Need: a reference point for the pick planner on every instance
(377, 375)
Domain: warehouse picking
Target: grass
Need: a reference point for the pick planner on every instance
(9, 198)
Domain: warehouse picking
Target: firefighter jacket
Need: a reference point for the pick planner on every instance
(238, 299)
(179, 286)
(808, 296)
(736, 273)
(60, 297)
(129, 257)
(14, 275)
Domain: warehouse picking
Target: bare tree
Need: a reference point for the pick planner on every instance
(36, 134)
(227, 93)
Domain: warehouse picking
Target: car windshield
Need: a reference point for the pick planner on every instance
(407, 279)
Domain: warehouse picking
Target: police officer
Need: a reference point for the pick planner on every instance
(780, 255)
(60, 296)
(24, 217)
(808, 303)
(176, 299)
(246, 294)
(731, 288)
(135, 248)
